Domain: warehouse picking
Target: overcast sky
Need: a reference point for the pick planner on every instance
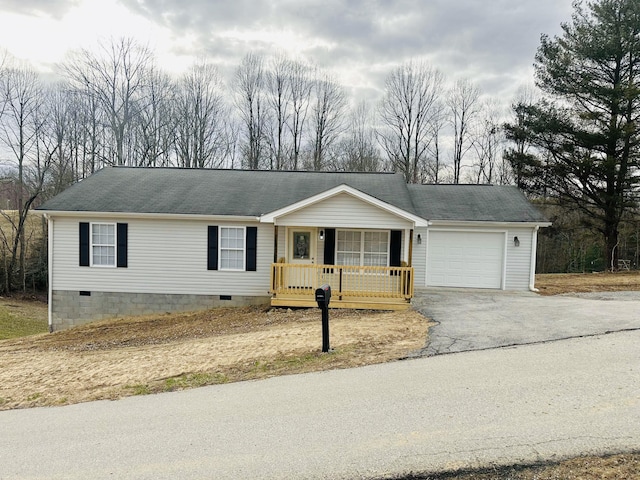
(491, 42)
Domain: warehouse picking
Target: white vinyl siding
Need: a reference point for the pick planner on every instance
(518, 259)
(346, 211)
(103, 244)
(419, 253)
(164, 256)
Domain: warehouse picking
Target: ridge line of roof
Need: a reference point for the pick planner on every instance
(131, 167)
(458, 185)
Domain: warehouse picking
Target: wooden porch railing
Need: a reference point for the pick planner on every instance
(346, 281)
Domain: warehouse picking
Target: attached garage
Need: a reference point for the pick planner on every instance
(465, 259)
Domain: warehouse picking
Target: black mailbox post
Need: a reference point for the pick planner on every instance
(323, 297)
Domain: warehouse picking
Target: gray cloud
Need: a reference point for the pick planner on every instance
(491, 42)
(52, 8)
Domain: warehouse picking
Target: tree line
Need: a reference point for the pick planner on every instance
(115, 106)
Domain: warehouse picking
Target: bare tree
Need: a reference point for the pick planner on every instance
(488, 139)
(232, 143)
(300, 87)
(154, 125)
(463, 104)
(279, 99)
(201, 112)
(115, 77)
(359, 152)
(88, 131)
(60, 134)
(249, 84)
(328, 111)
(21, 132)
(407, 112)
(433, 164)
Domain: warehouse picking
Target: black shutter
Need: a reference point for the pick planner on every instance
(122, 244)
(212, 248)
(252, 248)
(84, 244)
(329, 246)
(395, 248)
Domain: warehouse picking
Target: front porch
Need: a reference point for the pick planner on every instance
(366, 287)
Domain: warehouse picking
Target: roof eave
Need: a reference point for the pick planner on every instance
(159, 216)
(486, 223)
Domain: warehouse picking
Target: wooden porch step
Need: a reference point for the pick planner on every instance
(355, 303)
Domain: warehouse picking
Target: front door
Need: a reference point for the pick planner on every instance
(302, 252)
(302, 246)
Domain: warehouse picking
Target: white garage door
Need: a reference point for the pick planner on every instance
(465, 259)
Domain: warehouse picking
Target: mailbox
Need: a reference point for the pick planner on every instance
(323, 296)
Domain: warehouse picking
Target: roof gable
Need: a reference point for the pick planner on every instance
(343, 190)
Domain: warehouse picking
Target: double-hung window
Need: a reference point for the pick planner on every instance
(375, 251)
(232, 248)
(103, 244)
(362, 248)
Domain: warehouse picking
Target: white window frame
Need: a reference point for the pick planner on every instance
(92, 245)
(243, 249)
(362, 242)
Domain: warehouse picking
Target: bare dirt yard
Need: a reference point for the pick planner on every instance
(139, 355)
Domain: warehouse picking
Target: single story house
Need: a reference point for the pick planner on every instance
(132, 240)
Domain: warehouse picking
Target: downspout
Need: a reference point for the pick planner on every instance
(534, 253)
(50, 271)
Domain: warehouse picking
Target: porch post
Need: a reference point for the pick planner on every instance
(275, 244)
(406, 257)
(410, 262)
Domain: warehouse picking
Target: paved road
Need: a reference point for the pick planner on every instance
(521, 404)
(479, 319)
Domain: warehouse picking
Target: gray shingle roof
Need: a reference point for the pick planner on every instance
(253, 193)
(215, 192)
(481, 203)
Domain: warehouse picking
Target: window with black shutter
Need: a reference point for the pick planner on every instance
(103, 244)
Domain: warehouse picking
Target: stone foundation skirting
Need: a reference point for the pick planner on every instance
(72, 308)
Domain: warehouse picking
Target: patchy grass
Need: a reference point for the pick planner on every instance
(21, 318)
(559, 283)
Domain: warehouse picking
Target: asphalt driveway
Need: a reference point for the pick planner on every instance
(471, 319)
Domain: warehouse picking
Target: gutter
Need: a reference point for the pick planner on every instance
(163, 216)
